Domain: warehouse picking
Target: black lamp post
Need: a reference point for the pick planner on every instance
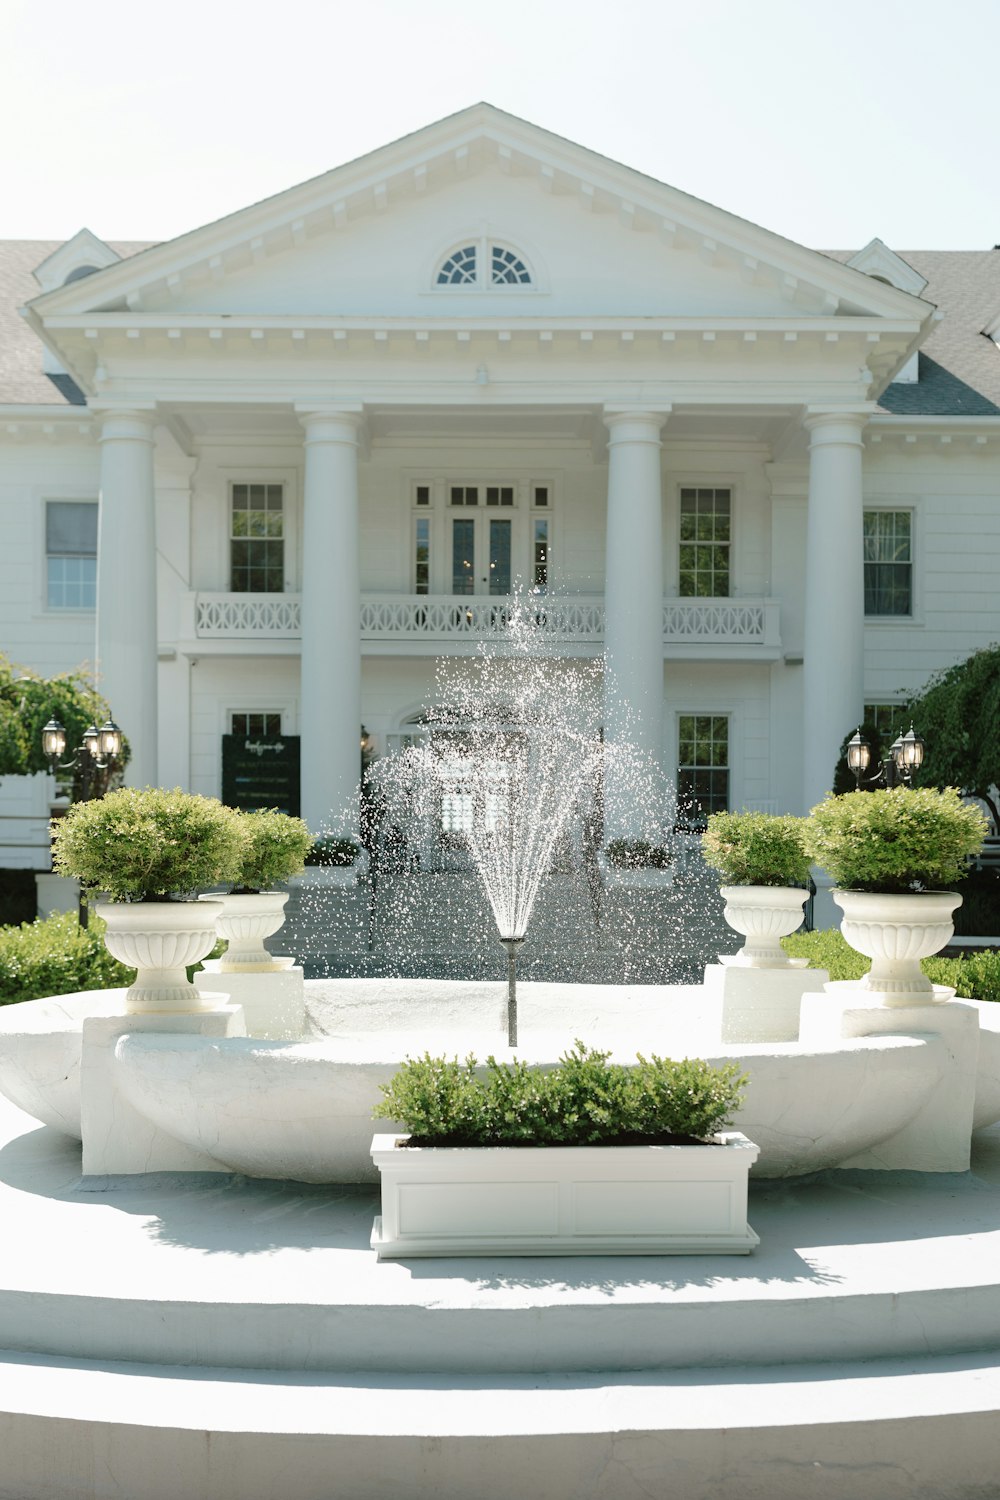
(93, 758)
(906, 756)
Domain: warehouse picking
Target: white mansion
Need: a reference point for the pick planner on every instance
(265, 475)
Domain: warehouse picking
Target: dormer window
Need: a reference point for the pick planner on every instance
(483, 263)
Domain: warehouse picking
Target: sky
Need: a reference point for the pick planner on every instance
(828, 123)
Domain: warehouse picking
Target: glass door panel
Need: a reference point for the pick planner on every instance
(481, 551)
(463, 556)
(499, 574)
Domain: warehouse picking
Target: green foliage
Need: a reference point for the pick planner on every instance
(331, 851)
(28, 703)
(637, 854)
(898, 840)
(148, 845)
(976, 976)
(584, 1100)
(752, 848)
(958, 716)
(274, 846)
(56, 956)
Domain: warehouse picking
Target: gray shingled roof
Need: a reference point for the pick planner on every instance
(959, 365)
(22, 380)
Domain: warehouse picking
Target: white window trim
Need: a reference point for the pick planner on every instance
(672, 529)
(717, 708)
(73, 496)
(288, 478)
(916, 615)
(440, 511)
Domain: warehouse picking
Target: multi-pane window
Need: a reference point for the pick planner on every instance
(257, 726)
(459, 269)
(507, 269)
(483, 263)
(888, 555)
(257, 539)
(705, 542)
(490, 494)
(71, 554)
(703, 769)
(422, 554)
(887, 718)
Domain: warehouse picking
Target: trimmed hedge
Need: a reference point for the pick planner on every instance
(56, 956)
(976, 977)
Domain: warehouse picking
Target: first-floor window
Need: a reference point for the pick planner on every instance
(71, 554)
(703, 766)
(257, 539)
(257, 726)
(888, 555)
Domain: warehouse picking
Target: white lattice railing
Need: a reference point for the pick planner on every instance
(414, 617)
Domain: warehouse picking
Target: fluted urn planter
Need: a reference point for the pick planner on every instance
(896, 931)
(764, 914)
(161, 939)
(244, 921)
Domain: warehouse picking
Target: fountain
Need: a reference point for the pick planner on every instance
(197, 1239)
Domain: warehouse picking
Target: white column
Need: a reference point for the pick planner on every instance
(126, 586)
(633, 608)
(330, 712)
(835, 605)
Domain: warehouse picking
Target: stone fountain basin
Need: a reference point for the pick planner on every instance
(302, 1110)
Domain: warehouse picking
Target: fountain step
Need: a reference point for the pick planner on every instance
(923, 1430)
(232, 1272)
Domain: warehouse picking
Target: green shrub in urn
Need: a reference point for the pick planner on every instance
(895, 841)
(754, 848)
(274, 848)
(148, 845)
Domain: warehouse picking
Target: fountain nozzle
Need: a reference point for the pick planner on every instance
(512, 944)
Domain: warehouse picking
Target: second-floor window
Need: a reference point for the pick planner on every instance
(705, 541)
(888, 544)
(257, 539)
(71, 554)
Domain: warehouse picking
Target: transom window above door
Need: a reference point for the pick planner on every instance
(483, 263)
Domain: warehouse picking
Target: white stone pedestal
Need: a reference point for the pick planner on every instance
(117, 1139)
(759, 1005)
(273, 1001)
(937, 1138)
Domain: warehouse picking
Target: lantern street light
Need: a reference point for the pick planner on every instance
(906, 756)
(93, 758)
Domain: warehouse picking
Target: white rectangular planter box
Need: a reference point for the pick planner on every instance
(564, 1200)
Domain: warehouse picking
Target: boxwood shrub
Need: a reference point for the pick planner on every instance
(55, 956)
(976, 976)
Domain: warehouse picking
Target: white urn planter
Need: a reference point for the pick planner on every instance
(564, 1200)
(244, 922)
(896, 932)
(161, 939)
(764, 914)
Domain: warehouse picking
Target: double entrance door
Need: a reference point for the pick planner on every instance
(480, 554)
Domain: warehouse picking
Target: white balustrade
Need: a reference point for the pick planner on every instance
(430, 617)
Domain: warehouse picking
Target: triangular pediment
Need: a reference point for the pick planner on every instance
(368, 238)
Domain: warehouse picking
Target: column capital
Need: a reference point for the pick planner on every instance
(130, 424)
(331, 424)
(630, 424)
(837, 425)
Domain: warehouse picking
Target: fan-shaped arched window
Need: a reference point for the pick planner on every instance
(460, 268)
(483, 263)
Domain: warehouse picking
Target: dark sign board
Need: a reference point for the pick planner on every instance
(261, 771)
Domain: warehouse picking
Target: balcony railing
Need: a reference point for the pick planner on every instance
(430, 617)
